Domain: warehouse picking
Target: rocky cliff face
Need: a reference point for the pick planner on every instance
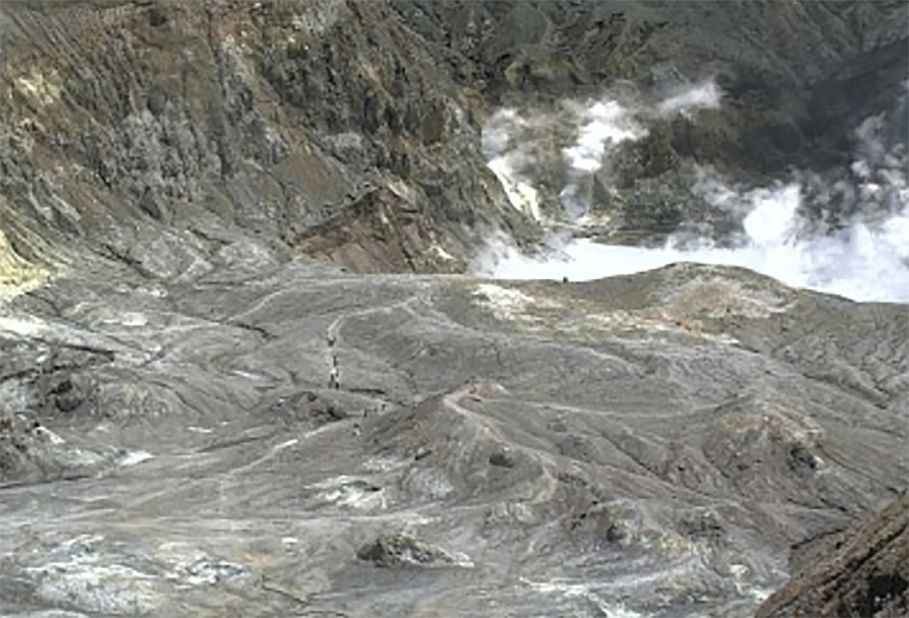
(169, 129)
(208, 407)
(132, 129)
(796, 79)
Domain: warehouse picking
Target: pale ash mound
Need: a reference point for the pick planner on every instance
(862, 571)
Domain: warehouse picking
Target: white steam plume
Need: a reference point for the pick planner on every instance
(511, 142)
(507, 161)
(863, 261)
(686, 101)
(858, 248)
(605, 125)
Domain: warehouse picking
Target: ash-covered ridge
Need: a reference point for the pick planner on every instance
(651, 443)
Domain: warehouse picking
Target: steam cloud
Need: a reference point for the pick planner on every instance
(864, 256)
(507, 160)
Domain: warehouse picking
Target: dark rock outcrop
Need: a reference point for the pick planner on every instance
(777, 63)
(862, 571)
(396, 550)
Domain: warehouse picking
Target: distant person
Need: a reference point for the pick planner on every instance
(334, 376)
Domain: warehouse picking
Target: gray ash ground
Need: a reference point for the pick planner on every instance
(650, 444)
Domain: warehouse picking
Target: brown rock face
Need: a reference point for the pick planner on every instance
(863, 571)
(221, 121)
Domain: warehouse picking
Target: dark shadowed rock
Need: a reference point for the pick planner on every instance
(396, 550)
(862, 571)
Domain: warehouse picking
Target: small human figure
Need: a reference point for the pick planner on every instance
(565, 279)
(334, 378)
